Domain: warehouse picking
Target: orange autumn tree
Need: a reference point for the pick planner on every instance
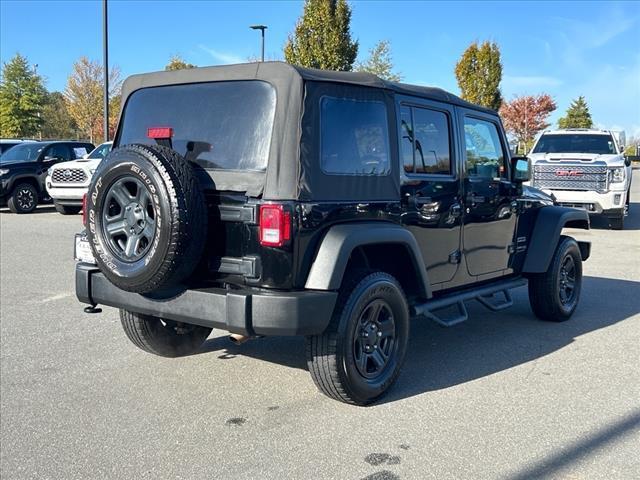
(525, 116)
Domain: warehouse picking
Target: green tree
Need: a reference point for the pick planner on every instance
(84, 97)
(479, 72)
(57, 122)
(380, 62)
(577, 115)
(176, 62)
(322, 37)
(22, 97)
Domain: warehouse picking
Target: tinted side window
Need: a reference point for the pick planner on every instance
(60, 152)
(426, 147)
(355, 137)
(484, 154)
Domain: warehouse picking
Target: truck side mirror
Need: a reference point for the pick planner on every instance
(520, 169)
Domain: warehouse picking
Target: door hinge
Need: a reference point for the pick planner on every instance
(454, 257)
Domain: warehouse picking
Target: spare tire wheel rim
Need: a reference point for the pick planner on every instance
(128, 219)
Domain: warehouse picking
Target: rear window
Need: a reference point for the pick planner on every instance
(355, 137)
(576, 143)
(218, 125)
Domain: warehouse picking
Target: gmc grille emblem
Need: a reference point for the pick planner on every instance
(568, 173)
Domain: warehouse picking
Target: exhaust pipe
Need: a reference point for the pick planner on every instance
(238, 339)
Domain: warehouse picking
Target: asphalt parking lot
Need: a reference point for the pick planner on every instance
(502, 396)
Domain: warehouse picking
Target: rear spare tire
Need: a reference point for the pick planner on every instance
(147, 221)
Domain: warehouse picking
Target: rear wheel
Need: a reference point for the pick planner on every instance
(360, 354)
(23, 199)
(554, 295)
(67, 209)
(165, 338)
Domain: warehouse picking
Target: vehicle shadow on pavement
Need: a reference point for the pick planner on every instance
(487, 343)
(39, 209)
(631, 222)
(492, 342)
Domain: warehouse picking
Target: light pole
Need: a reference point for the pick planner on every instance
(262, 28)
(105, 47)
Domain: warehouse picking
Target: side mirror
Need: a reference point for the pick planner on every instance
(520, 169)
(49, 158)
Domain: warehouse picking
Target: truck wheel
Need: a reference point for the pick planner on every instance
(23, 199)
(67, 209)
(165, 338)
(360, 354)
(554, 295)
(147, 220)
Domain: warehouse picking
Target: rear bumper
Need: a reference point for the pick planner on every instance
(247, 312)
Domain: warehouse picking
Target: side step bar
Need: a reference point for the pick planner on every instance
(483, 295)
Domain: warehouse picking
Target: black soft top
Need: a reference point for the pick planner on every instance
(293, 170)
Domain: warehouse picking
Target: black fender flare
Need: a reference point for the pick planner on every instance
(546, 234)
(31, 178)
(334, 252)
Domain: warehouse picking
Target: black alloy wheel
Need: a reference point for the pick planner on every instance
(374, 343)
(24, 199)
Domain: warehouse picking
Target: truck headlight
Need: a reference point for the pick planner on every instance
(3, 171)
(616, 175)
(92, 171)
(50, 171)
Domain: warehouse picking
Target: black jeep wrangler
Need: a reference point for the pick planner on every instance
(266, 199)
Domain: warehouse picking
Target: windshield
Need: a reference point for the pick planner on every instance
(575, 143)
(218, 125)
(26, 152)
(100, 151)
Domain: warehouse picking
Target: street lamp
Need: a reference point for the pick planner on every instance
(262, 28)
(105, 52)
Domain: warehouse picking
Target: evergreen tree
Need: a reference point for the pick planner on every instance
(57, 122)
(322, 37)
(479, 72)
(577, 116)
(176, 62)
(380, 63)
(22, 97)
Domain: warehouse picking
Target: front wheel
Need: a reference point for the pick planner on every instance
(554, 295)
(360, 354)
(24, 199)
(165, 338)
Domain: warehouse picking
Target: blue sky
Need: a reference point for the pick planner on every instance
(562, 48)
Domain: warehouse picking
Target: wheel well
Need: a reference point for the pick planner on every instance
(584, 224)
(392, 258)
(29, 180)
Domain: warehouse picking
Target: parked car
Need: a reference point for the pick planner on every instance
(23, 170)
(268, 199)
(7, 143)
(584, 168)
(67, 182)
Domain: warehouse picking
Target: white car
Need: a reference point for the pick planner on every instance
(584, 168)
(67, 182)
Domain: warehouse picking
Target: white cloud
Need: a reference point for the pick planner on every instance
(222, 57)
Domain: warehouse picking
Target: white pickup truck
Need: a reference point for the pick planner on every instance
(584, 168)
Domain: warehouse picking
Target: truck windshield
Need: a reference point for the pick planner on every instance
(218, 125)
(575, 143)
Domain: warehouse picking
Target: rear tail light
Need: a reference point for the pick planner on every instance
(275, 225)
(84, 209)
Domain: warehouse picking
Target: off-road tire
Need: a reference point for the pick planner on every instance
(177, 203)
(331, 356)
(17, 204)
(162, 337)
(544, 288)
(67, 209)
